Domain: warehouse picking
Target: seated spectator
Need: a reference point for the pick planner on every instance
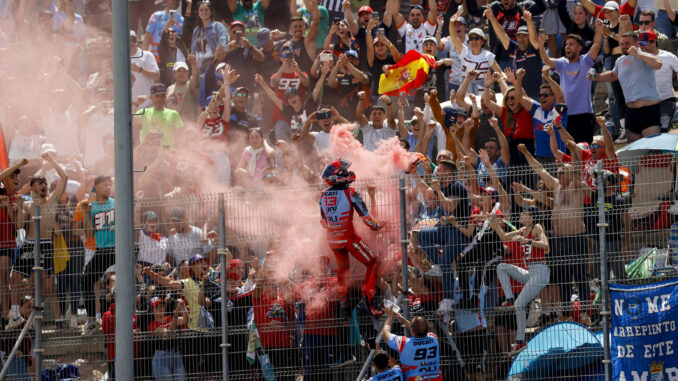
(256, 157)
(531, 241)
(152, 245)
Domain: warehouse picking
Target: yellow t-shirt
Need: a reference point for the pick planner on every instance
(166, 122)
(191, 293)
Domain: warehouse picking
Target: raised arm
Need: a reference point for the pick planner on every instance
(460, 97)
(597, 40)
(534, 39)
(590, 6)
(402, 129)
(432, 12)
(350, 19)
(390, 113)
(492, 105)
(232, 5)
(650, 59)
(553, 142)
(607, 137)
(12, 168)
(332, 81)
(555, 88)
(360, 110)
(669, 10)
(63, 178)
(503, 142)
(268, 91)
(564, 14)
(458, 45)
(166, 282)
(498, 29)
(550, 182)
(309, 40)
(398, 19)
(548, 61)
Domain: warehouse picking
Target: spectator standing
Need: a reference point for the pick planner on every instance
(167, 359)
(294, 110)
(185, 240)
(251, 14)
(445, 45)
(347, 81)
(158, 22)
(573, 71)
(159, 122)
(242, 55)
(304, 47)
(416, 28)
(360, 29)
(381, 125)
(379, 53)
(206, 36)
(635, 71)
(326, 119)
(646, 21)
(663, 79)
(619, 225)
(382, 370)
(576, 24)
(544, 113)
(289, 77)
(509, 14)
(183, 94)
(323, 24)
(152, 244)
(172, 49)
(144, 68)
(523, 52)
(530, 240)
(99, 222)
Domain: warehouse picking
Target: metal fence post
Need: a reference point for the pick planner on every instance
(404, 242)
(602, 225)
(124, 194)
(224, 297)
(37, 278)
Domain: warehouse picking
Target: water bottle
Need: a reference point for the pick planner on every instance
(592, 73)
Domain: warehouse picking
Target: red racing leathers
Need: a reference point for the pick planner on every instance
(337, 204)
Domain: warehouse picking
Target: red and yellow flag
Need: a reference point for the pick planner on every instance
(407, 74)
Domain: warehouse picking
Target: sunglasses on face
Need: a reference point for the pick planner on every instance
(240, 95)
(544, 95)
(644, 22)
(510, 98)
(594, 146)
(475, 38)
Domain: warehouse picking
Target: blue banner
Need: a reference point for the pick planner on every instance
(644, 338)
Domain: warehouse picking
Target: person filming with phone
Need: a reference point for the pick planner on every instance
(241, 54)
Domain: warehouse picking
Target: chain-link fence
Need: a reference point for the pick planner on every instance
(496, 258)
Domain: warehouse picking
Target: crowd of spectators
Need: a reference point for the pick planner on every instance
(243, 96)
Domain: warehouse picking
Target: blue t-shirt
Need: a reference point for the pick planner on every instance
(483, 174)
(575, 84)
(458, 191)
(393, 374)
(636, 78)
(103, 220)
(157, 23)
(541, 137)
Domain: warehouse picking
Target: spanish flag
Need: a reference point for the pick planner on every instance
(407, 74)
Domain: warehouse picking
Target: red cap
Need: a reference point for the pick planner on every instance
(236, 23)
(647, 35)
(155, 301)
(365, 8)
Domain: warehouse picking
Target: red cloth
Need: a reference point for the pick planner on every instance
(108, 327)
(523, 127)
(624, 9)
(320, 309)
(272, 314)
(167, 321)
(7, 227)
(287, 80)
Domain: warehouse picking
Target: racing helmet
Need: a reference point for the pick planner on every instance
(337, 173)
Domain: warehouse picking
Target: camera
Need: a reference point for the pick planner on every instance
(322, 115)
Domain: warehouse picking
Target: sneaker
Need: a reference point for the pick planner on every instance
(517, 348)
(89, 327)
(622, 136)
(445, 306)
(73, 322)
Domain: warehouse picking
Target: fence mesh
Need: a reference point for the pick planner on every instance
(494, 259)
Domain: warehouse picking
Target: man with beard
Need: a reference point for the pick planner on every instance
(304, 47)
(635, 71)
(415, 30)
(11, 208)
(23, 267)
(381, 125)
(326, 118)
(573, 71)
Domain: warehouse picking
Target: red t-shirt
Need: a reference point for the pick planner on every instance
(590, 166)
(624, 9)
(214, 128)
(522, 128)
(287, 80)
(167, 321)
(271, 315)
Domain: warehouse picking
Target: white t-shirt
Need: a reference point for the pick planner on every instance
(322, 140)
(482, 63)
(456, 76)
(185, 245)
(414, 38)
(372, 136)
(27, 146)
(151, 250)
(664, 76)
(142, 84)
